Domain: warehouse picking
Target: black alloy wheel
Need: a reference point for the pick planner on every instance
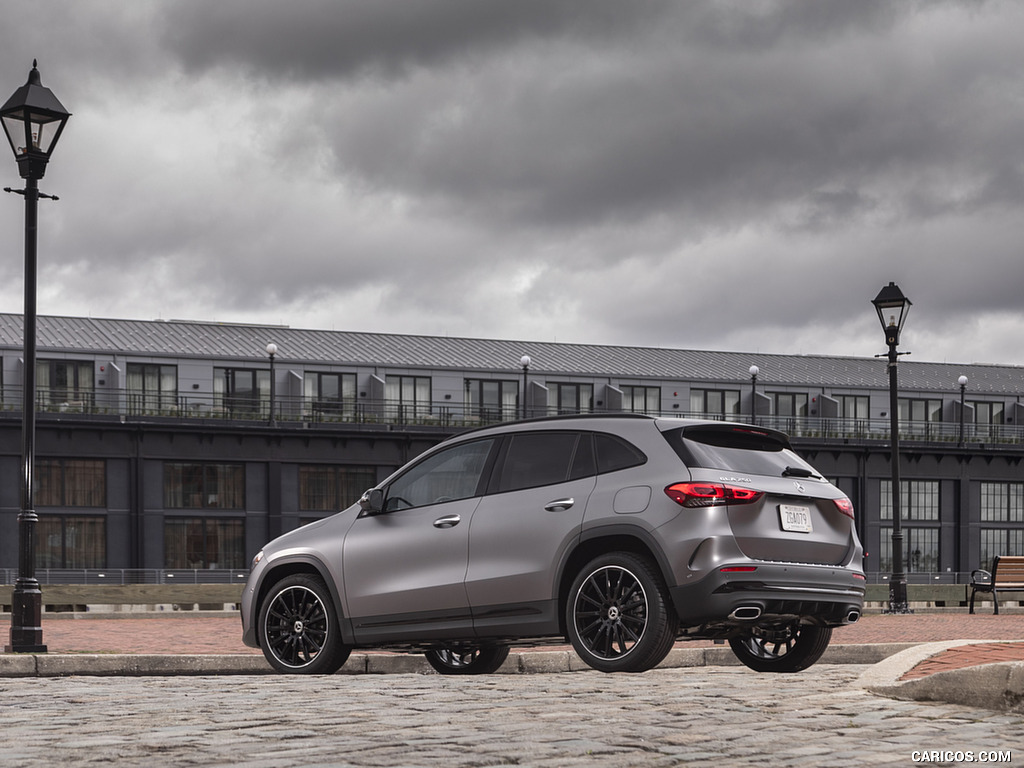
(299, 628)
(619, 616)
(468, 660)
(790, 648)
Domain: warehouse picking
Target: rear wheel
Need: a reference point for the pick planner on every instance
(790, 648)
(618, 615)
(299, 631)
(468, 660)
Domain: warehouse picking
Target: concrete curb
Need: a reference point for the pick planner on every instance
(998, 686)
(519, 662)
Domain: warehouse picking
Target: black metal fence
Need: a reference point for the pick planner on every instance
(125, 576)
(128, 576)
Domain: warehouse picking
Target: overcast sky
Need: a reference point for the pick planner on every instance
(740, 176)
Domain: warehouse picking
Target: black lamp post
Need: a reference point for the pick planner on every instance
(33, 120)
(892, 307)
(272, 351)
(754, 370)
(525, 362)
(962, 381)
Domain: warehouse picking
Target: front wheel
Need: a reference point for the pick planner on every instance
(468, 661)
(792, 648)
(298, 628)
(619, 616)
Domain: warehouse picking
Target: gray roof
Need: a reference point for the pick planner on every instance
(227, 342)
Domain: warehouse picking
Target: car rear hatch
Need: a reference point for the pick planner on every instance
(779, 508)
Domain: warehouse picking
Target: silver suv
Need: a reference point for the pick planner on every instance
(621, 533)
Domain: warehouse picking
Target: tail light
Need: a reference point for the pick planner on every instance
(711, 494)
(845, 506)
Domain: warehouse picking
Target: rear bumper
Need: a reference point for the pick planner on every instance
(831, 595)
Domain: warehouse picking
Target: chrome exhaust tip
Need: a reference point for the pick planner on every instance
(746, 613)
(852, 617)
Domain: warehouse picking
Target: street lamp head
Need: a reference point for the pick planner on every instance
(754, 370)
(892, 307)
(33, 120)
(525, 361)
(962, 381)
(271, 349)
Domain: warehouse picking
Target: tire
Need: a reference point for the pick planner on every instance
(791, 648)
(468, 660)
(298, 628)
(618, 615)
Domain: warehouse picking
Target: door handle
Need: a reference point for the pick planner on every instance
(557, 504)
(448, 521)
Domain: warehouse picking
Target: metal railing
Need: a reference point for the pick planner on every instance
(289, 410)
(922, 577)
(879, 429)
(124, 576)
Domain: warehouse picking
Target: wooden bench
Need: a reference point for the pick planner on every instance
(1007, 576)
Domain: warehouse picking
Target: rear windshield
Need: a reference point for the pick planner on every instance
(736, 449)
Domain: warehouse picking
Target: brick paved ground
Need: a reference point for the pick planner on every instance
(181, 633)
(967, 656)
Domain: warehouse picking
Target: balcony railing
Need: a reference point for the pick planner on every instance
(449, 414)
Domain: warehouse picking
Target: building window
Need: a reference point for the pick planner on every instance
(988, 416)
(920, 410)
(330, 394)
(332, 489)
(919, 500)
(71, 483)
(1002, 502)
(241, 392)
(71, 541)
(408, 397)
(853, 406)
(920, 550)
(641, 399)
(204, 486)
(574, 398)
(715, 403)
(204, 542)
(152, 387)
(65, 383)
(1000, 541)
(490, 400)
(789, 404)
(988, 412)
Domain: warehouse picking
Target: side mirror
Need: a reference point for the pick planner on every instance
(372, 501)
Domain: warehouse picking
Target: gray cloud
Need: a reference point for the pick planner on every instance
(323, 39)
(735, 175)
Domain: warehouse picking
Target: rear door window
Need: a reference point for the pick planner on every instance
(533, 459)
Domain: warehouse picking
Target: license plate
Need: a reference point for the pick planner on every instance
(796, 519)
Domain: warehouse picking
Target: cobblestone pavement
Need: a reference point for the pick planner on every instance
(714, 716)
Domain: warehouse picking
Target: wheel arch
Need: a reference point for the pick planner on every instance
(602, 541)
(300, 565)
